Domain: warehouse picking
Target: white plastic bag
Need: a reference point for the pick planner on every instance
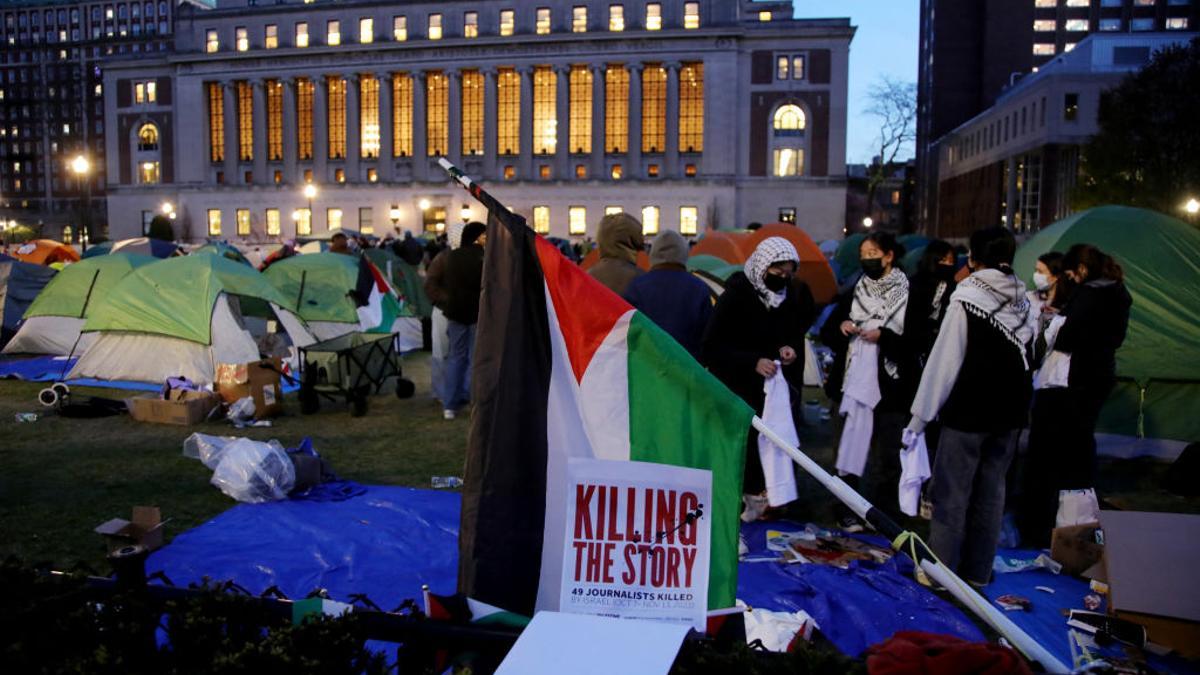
(1077, 507)
(778, 630)
(254, 472)
(206, 448)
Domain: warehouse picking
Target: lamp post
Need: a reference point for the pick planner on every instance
(867, 222)
(80, 166)
(394, 215)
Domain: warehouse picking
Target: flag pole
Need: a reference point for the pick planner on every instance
(488, 201)
(921, 555)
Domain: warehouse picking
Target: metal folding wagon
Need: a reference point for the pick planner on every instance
(354, 366)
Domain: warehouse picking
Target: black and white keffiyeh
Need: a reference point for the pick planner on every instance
(999, 298)
(880, 303)
(770, 251)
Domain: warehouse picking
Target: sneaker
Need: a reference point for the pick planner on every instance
(754, 507)
(850, 525)
(448, 414)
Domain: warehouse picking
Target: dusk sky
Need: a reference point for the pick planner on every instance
(886, 44)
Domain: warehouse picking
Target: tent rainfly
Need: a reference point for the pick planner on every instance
(20, 283)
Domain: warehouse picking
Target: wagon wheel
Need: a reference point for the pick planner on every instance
(405, 388)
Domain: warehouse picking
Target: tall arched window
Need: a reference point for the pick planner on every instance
(147, 137)
(787, 140)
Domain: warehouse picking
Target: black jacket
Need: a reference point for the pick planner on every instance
(922, 319)
(454, 281)
(1097, 320)
(742, 331)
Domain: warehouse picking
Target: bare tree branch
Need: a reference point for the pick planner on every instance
(894, 104)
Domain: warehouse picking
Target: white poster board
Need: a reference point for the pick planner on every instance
(637, 541)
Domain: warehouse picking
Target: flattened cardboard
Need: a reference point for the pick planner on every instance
(145, 528)
(180, 407)
(1151, 561)
(258, 380)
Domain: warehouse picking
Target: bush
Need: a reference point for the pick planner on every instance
(160, 228)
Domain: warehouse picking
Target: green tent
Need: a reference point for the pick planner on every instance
(712, 265)
(912, 260)
(847, 256)
(318, 285)
(405, 278)
(222, 249)
(1158, 395)
(53, 322)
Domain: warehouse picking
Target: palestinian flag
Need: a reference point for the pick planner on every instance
(378, 307)
(459, 608)
(566, 368)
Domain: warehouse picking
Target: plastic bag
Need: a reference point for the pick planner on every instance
(1077, 507)
(778, 630)
(254, 472)
(206, 448)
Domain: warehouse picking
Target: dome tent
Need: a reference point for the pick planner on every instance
(45, 252)
(20, 283)
(181, 317)
(405, 278)
(53, 322)
(1158, 366)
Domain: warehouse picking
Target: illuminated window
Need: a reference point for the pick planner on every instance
(366, 220)
(271, 36)
(1045, 25)
(543, 21)
(368, 117)
(303, 219)
(274, 120)
(435, 27)
(691, 107)
(617, 172)
(402, 115)
(764, 16)
(797, 67)
(507, 22)
(1043, 49)
(472, 112)
(544, 171)
(691, 15)
(1077, 25)
(336, 107)
(510, 172)
(148, 173)
(211, 45)
(333, 32)
(68, 235)
(689, 170)
(545, 123)
(147, 138)
(470, 24)
(579, 19)
(689, 220)
(581, 171)
(789, 124)
(613, 210)
(366, 30)
(214, 222)
(1071, 107)
(243, 222)
(333, 218)
(616, 109)
(304, 118)
(541, 219)
(399, 28)
(302, 34)
(787, 214)
(577, 220)
(1177, 23)
(245, 113)
(653, 16)
(372, 175)
(272, 222)
(580, 84)
(654, 108)
(789, 162)
(649, 220)
(508, 111)
(789, 121)
(652, 171)
(437, 106)
(1045, 3)
(1084, 3)
(216, 123)
(783, 66)
(616, 18)
(241, 39)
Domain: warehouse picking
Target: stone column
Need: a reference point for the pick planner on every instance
(387, 163)
(320, 118)
(259, 127)
(634, 168)
(599, 71)
(489, 122)
(453, 147)
(353, 127)
(231, 134)
(290, 131)
(671, 152)
(562, 118)
(420, 158)
(526, 160)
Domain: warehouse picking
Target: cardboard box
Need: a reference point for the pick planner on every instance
(146, 529)
(180, 407)
(1076, 548)
(258, 380)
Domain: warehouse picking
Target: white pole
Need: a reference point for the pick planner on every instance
(939, 572)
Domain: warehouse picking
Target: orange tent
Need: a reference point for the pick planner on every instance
(45, 252)
(723, 245)
(814, 267)
(643, 260)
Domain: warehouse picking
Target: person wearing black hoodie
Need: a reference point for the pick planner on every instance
(977, 384)
(455, 289)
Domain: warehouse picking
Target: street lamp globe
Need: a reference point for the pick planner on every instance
(867, 222)
(423, 204)
(167, 209)
(465, 213)
(80, 165)
(1192, 206)
(310, 191)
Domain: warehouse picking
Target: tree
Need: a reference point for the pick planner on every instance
(894, 103)
(160, 228)
(1147, 152)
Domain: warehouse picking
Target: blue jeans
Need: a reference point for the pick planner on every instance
(456, 384)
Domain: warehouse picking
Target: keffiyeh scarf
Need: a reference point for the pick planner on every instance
(770, 251)
(999, 298)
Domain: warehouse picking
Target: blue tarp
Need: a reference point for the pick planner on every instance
(52, 368)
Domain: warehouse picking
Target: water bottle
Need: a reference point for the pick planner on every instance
(441, 482)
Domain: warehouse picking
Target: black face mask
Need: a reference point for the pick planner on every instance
(775, 282)
(946, 272)
(872, 267)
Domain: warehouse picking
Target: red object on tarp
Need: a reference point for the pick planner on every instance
(910, 652)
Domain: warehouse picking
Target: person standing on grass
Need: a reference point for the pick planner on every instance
(454, 288)
(977, 384)
(676, 301)
(620, 239)
(438, 328)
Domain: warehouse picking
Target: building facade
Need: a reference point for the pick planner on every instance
(689, 115)
(972, 51)
(1017, 162)
(52, 102)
